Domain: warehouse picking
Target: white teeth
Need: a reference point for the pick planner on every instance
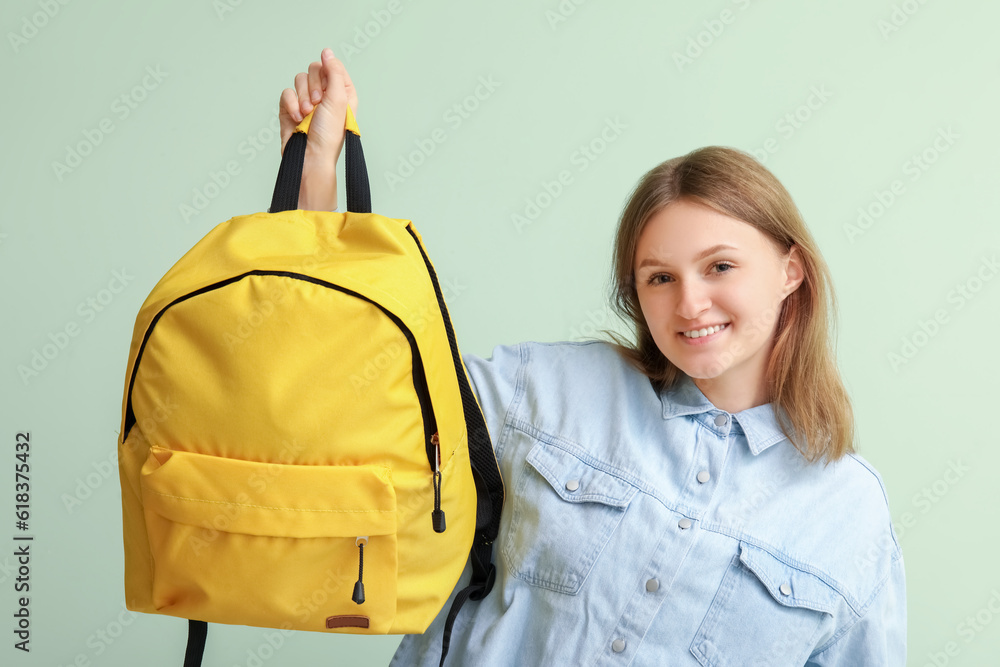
(698, 333)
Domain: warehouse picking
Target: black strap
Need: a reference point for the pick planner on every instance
(485, 473)
(483, 576)
(286, 187)
(197, 630)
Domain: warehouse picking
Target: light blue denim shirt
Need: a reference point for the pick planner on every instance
(646, 529)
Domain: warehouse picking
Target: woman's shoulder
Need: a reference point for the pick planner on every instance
(540, 363)
(582, 356)
(839, 521)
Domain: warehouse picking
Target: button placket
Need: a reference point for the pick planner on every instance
(648, 593)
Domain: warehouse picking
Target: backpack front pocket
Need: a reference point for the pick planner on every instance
(271, 545)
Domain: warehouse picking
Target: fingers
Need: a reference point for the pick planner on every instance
(326, 84)
(288, 115)
(335, 96)
(315, 84)
(302, 90)
(348, 85)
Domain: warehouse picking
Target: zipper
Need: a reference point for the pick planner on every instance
(437, 515)
(359, 587)
(431, 443)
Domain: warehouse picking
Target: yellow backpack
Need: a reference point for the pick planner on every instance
(297, 423)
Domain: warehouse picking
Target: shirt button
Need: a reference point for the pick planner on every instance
(720, 420)
(618, 645)
(704, 476)
(572, 485)
(785, 589)
(652, 585)
(684, 523)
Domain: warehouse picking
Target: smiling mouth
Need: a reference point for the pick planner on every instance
(705, 332)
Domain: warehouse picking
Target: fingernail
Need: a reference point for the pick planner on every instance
(316, 96)
(327, 53)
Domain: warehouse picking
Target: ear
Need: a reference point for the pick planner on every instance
(794, 269)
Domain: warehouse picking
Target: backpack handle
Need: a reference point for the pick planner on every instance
(286, 188)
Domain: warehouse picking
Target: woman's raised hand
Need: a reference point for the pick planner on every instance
(329, 89)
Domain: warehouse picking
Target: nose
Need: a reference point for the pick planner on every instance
(694, 300)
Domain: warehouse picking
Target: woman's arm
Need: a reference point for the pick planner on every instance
(328, 87)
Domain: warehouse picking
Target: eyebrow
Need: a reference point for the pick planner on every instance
(652, 261)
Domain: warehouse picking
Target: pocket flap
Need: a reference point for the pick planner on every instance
(789, 585)
(577, 481)
(281, 500)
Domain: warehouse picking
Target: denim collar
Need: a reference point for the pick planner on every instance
(758, 423)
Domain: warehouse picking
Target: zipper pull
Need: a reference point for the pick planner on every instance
(437, 516)
(359, 587)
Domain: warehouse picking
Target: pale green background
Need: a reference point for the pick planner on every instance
(60, 240)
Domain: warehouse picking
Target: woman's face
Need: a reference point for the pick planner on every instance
(681, 288)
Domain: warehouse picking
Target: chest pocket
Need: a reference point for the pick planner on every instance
(766, 612)
(564, 512)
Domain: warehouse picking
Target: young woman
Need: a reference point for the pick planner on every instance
(692, 498)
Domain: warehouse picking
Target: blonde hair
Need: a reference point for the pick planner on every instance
(801, 374)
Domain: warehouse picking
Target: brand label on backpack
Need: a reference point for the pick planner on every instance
(347, 621)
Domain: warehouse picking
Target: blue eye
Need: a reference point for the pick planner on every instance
(653, 278)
